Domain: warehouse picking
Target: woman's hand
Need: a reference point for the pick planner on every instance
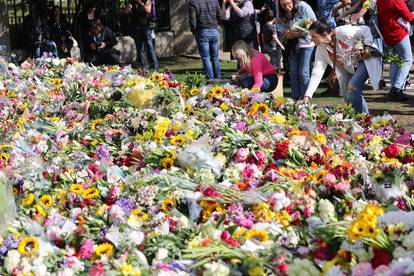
(306, 100)
(366, 54)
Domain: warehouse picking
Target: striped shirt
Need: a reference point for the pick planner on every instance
(204, 14)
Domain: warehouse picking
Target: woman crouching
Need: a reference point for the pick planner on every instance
(353, 55)
(256, 72)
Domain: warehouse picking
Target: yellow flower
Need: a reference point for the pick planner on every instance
(190, 134)
(28, 246)
(94, 142)
(90, 193)
(263, 212)
(241, 231)
(101, 210)
(167, 162)
(375, 141)
(194, 92)
(104, 249)
(94, 123)
(167, 204)
(55, 81)
(217, 92)
(39, 210)
(279, 101)
(29, 199)
(278, 119)
(76, 189)
(284, 218)
(259, 235)
(261, 108)
(47, 201)
(177, 140)
(320, 138)
(224, 106)
(156, 77)
(176, 126)
(256, 271)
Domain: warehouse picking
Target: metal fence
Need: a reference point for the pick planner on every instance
(110, 12)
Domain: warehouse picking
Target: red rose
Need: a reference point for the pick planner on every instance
(381, 257)
(391, 151)
(281, 150)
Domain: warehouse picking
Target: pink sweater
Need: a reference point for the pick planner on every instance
(259, 67)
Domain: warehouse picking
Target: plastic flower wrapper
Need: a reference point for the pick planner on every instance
(199, 156)
(7, 204)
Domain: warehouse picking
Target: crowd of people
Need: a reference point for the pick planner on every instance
(304, 37)
(49, 32)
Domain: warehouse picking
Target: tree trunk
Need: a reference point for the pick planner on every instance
(4, 31)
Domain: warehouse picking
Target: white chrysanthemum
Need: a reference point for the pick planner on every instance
(216, 269)
(409, 241)
(326, 210)
(302, 267)
(12, 260)
(279, 201)
(399, 252)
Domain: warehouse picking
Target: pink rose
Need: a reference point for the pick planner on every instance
(308, 212)
(329, 179)
(242, 155)
(240, 126)
(245, 223)
(260, 157)
(248, 172)
(342, 186)
(86, 250)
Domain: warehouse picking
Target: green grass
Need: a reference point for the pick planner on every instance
(183, 66)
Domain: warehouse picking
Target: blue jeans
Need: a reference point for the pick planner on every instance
(353, 90)
(300, 61)
(399, 74)
(325, 11)
(269, 83)
(207, 43)
(143, 41)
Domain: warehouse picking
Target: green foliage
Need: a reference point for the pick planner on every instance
(195, 79)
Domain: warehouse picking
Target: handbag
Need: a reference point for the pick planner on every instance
(333, 77)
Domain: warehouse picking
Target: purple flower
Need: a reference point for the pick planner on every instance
(127, 205)
(403, 139)
(384, 132)
(102, 153)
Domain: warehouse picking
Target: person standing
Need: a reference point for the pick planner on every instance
(141, 11)
(396, 36)
(242, 18)
(300, 46)
(204, 16)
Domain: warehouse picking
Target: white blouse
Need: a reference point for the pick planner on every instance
(348, 37)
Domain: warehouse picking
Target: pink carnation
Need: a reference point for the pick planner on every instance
(242, 155)
(329, 179)
(86, 250)
(342, 186)
(240, 126)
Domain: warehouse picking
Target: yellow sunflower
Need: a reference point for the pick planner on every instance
(46, 200)
(194, 92)
(28, 246)
(5, 156)
(167, 204)
(156, 77)
(29, 199)
(261, 108)
(217, 91)
(257, 234)
(39, 210)
(90, 193)
(177, 140)
(76, 189)
(167, 162)
(104, 249)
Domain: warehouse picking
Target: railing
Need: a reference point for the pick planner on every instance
(110, 11)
